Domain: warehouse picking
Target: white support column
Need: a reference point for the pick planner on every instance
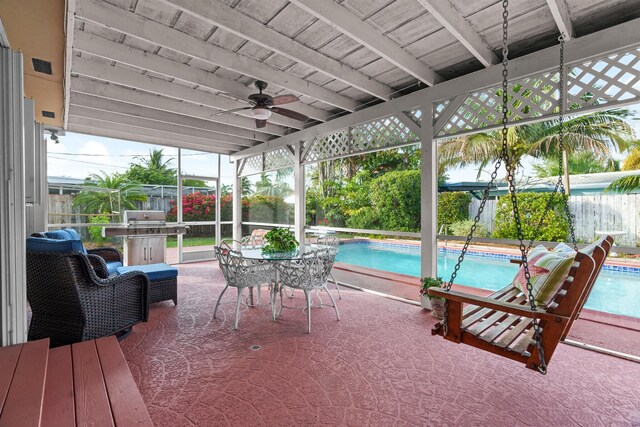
(179, 201)
(218, 202)
(298, 174)
(13, 289)
(429, 195)
(237, 202)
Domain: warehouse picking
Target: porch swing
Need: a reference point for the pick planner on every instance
(509, 323)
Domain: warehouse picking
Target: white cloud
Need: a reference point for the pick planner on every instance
(94, 148)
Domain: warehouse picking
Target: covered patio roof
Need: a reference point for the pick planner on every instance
(163, 70)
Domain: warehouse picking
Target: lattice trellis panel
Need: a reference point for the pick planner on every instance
(325, 147)
(615, 78)
(439, 107)
(253, 165)
(609, 80)
(416, 115)
(279, 158)
(380, 134)
(528, 98)
(375, 135)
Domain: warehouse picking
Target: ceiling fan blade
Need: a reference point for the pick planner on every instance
(260, 123)
(284, 99)
(291, 114)
(235, 110)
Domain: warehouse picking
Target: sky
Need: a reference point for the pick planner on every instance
(78, 155)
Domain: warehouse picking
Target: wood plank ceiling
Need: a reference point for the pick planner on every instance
(161, 71)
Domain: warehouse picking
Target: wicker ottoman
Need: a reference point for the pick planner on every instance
(163, 281)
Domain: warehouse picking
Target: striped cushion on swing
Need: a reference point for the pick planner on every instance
(548, 270)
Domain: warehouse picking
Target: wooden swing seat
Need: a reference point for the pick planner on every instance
(502, 323)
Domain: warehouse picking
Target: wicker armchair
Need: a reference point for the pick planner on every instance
(105, 261)
(70, 303)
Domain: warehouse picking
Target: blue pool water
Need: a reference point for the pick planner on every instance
(615, 292)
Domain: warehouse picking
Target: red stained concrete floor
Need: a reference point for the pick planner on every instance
(379, 365)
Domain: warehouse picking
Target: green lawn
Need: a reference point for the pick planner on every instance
(172, 241)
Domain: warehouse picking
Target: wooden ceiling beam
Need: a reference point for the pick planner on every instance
(164, 120)
(143, 99)
(107, 130)
(132, 79)
(455, 23)
(139, 27)
(220, 15)
(105, 112)
(107, 49)
(560, 12)
(349, 24)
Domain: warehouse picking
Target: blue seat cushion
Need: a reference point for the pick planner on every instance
(154, 271)
(112, 267)
(65, 234)
(41, 244)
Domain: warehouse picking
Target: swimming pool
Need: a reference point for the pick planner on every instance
(616, 292)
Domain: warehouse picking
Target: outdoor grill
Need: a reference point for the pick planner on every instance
(146, 233)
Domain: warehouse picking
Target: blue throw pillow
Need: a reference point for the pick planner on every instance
(39, 244)
(66, 234)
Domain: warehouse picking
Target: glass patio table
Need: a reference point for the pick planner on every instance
(255, 254)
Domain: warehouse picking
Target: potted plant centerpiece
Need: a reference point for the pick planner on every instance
(435, 304)
(279, 240)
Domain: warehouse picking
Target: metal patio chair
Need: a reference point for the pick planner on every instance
(240, 273)
(332, 243)
(308, 274)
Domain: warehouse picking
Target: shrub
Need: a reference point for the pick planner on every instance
(453, 207)
(95, 233)
(395, 196)
(462, 228)
(201, 207)
(555, 226)
(363, 218)
(271, 209)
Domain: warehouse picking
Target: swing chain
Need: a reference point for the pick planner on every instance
(559, 186)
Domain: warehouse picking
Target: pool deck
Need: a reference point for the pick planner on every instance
(377, 366)
(611, 331)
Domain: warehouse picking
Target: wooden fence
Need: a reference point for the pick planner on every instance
(598, 212)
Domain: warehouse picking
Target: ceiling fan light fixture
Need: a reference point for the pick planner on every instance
(260, 113)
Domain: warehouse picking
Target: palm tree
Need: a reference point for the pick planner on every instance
(599, 133)
(100, 194)
(156, 161)
(628, 183)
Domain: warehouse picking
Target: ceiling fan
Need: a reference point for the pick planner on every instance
(264, 105)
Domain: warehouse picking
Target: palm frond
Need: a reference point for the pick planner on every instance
(624, 185)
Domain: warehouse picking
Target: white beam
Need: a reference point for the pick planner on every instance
(125, 77)
(119, 52)
(69, 27)
(455, 23)
(560, 13)
(236, 201)
(428, 196)
(448, 113)
(112, 132)
(187, 122)
(220, 15)
(138, 132)
(130, 96)
(300, 218)
(408, 122)
(346, 22)
(137, 26)
(578, 50)
(117, 117)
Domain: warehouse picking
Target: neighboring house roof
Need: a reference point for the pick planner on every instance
(583, 183)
